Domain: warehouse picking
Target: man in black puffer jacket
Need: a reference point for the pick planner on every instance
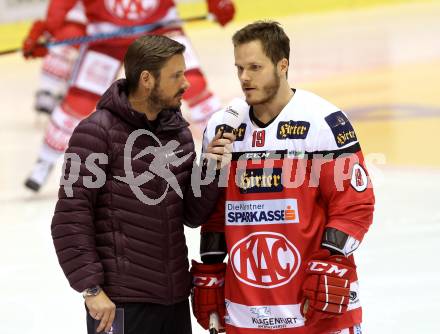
(127, 193)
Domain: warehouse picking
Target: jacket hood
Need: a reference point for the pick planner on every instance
(115, 100)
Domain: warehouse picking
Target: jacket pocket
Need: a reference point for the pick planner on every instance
(119, 250)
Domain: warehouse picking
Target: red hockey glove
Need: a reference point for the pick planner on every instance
(223, 10)
(208, 293)
(31, 47)
(326, 288)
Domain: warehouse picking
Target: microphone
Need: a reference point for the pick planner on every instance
(234, 114)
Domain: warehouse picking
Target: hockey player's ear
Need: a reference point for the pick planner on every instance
(146, 80)
(283, 66)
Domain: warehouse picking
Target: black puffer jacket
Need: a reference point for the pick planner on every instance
(107, 235)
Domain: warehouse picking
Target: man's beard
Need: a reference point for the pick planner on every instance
(157, 101)
(269, 90)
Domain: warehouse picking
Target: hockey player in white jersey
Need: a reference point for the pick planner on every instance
(297, 204)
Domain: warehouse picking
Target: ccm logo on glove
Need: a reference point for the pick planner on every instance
(327, 268)
(208, 281)
(326, 287)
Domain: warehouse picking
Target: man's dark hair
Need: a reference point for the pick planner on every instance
(276, 44)
(148, 53)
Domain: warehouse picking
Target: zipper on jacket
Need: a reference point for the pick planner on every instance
(168, 241)
(117, 235)
(118, 247)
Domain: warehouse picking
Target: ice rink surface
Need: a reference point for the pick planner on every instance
(381, 65)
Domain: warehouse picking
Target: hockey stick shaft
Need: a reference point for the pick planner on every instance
(122, 32)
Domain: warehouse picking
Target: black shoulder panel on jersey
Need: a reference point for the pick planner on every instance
(282, 154)
(352, 149)
(212, 247)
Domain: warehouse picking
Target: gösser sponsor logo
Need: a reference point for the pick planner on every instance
(265, 260)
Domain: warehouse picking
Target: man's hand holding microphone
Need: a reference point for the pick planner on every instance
(208, 297)
(220, 147)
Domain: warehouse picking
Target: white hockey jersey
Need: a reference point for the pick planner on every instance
(287, 182)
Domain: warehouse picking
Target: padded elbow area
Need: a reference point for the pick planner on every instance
(212, 259)
(212, 247)
(337, 242)
(197, 88)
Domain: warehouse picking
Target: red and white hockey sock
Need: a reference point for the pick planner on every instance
(58, 133)
(54, 77)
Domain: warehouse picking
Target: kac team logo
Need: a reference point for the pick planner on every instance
(359, 178)
(265, 260)
(133, 10)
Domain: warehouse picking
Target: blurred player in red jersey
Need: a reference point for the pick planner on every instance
(58, 61)
(99, 63)
(297, 204)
